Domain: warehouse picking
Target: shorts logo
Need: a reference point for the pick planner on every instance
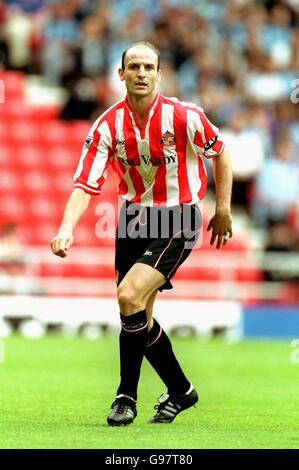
(149, 253)
(168, 139)
(116, 276)
(88, 142)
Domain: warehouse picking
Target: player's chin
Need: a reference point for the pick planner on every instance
(141, 91)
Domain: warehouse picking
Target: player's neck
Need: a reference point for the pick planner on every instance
(140, 105)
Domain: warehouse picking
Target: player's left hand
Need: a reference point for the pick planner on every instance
(221, 226)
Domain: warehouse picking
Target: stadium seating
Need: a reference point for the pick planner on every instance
(38, 157)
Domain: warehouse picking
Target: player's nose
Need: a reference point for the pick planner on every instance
(141, 71)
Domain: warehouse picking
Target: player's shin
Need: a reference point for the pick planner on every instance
(132, 342)
(160, 355)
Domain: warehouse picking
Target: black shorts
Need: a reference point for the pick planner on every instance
(159, 237)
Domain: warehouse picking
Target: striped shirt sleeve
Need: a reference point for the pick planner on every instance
(208, 138)
(91, 172)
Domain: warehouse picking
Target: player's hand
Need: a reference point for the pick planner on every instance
(61, 243)
(221, 226)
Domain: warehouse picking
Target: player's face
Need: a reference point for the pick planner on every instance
(141, 73)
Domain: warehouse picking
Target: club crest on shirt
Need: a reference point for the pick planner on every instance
(88, 142)
(168, 139)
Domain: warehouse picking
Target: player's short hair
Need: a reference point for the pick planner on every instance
(140, 43)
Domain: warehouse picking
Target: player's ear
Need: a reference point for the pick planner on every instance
(121, 74)
(159, 74)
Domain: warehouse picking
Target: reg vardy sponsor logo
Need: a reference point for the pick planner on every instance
(153, 161)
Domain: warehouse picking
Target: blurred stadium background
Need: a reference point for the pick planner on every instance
(239, 60)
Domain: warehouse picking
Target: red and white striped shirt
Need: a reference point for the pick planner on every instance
(159, 165)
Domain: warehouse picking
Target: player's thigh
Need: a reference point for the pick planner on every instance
(127, 252)
(142, 280)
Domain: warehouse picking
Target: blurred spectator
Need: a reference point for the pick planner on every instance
(61, 36)
(17, 33)
(3, 54)
(135, 27)
(86, 8)
(91, 54)
(27, 6)
(82, 100)
(277, 186)
(281, 240)
(276, 34)
(280, 237)
(169, 84)
(247, 150)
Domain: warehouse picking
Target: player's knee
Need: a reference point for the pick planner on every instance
(128, 299)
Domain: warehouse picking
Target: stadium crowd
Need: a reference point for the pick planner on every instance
(238, 59)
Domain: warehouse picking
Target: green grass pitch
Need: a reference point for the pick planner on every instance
(56, 393)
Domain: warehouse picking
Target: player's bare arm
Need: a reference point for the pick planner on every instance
(75, 208)
(221, 222)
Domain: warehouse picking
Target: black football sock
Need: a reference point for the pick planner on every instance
(160, 355)
(132, 342)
